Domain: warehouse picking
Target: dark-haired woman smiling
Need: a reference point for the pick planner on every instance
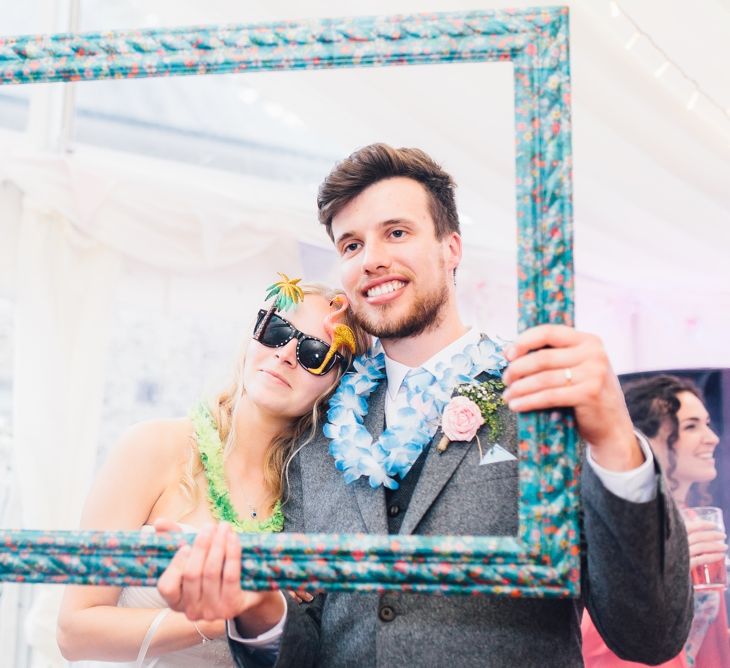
(672, 414)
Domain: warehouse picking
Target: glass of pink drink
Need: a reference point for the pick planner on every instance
(712, 576)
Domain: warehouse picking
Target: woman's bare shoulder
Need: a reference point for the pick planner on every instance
(142, 465)
(161, 441)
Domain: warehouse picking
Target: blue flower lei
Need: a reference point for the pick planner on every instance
(355, 451)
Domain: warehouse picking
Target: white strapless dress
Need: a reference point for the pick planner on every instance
(212, 654)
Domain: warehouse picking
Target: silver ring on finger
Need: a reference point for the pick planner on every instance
(568, 374)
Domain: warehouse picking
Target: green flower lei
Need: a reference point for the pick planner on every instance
(211, 455)
(487, 395)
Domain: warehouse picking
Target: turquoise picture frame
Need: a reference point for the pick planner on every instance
(543, 559)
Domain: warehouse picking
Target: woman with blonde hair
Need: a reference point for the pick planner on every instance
(226, 462)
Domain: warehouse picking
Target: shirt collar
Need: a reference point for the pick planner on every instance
(396, 372)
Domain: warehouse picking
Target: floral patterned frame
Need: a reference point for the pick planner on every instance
(543, 559)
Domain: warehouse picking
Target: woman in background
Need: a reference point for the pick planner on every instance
(671, 413)
(233, 454)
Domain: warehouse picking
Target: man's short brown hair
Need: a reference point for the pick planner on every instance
(377, 162)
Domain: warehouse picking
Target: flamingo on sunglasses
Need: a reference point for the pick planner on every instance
(340, 334)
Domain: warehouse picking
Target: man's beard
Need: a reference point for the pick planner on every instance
(423, 316)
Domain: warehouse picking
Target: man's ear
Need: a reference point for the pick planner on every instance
(452, 250)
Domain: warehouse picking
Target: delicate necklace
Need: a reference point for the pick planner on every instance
(355, 451)
(211, 456)
(253, 509)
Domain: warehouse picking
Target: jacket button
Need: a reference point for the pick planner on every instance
(386, 614)
(394, 510)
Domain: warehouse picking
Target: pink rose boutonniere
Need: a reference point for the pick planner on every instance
(461, 419)
(475, 404)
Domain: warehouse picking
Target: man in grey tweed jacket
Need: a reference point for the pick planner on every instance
(392, 217)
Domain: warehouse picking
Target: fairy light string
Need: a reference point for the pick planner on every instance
(617, 11)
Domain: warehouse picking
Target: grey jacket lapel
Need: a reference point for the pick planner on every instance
(437, 469)
(372, 501)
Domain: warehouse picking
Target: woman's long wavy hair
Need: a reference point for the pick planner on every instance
(654, 401)
(298, 433)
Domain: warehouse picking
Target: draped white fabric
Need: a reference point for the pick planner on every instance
(63, 312)
(160, 213)
(62, 319)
